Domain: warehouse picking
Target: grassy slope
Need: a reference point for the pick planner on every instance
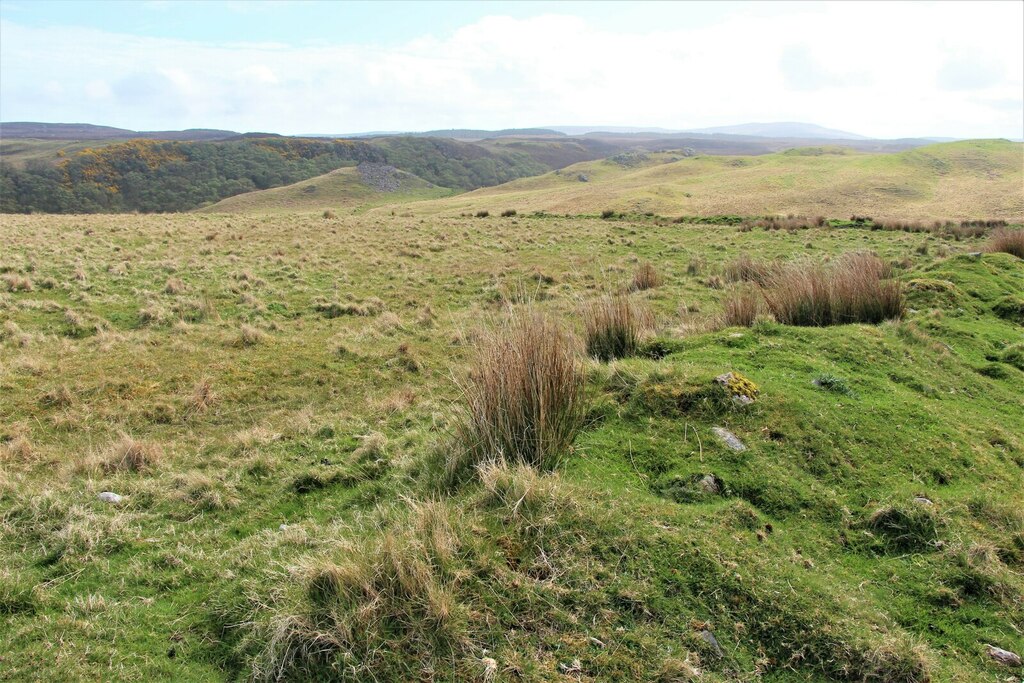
(192, 576)
(340, 189)
(18, 151)
(961, 180)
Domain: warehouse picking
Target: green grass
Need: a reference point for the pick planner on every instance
(958, 180)
(810, 555)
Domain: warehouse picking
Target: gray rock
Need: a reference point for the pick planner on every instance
(110, 497)
(921, 500)
(709, 484)
(710, 639)
(729, 439)
(583, 178)
(380, 177)
(1004, 656)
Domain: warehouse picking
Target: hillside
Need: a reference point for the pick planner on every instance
(273, 408)
(345, 188)
(958, 180)
(161, 176)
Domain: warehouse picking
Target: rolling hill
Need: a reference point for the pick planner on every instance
(958, 180)
(344, 188)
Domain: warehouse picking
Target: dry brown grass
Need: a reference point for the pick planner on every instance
(746, 269)
(1008, 240)
(645, 276)
(523, 398)
(248, 335)
(856, 289)
(741, 307)
(614, 326)
(129, 455)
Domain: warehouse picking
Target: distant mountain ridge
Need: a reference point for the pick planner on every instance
(88, 131)
(785, 129)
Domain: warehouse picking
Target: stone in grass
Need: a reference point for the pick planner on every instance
(729, 439)
(710, 639)
(1004, 656)
(110, 497)
(739, 388)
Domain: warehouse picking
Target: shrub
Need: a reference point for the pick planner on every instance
(614, 326)
(858, 288)
(741, 307)
(645, 277)
(523, 398)
(508, 213)
(1007, 240)
(607, 213)
(483, 214)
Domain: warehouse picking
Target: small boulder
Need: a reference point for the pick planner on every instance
(710, 639)
(740, 389)
(110, 497)
(1004, 656)
(729, 439)
(583, 178)
(709, 483)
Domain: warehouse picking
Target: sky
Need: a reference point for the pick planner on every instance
(880, 69)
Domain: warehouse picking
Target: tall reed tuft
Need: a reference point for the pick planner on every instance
(614, 326)
(523, 398)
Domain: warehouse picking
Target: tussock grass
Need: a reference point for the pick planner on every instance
(856, 289)
(746, 269)
(614, 326)
(394, 593)
(130, 455)
(1007, 240)
(741, 307)
(646, 276)
(523, 397)
(249, 335)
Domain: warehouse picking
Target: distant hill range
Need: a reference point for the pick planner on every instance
(788, 129)
(87, 131)
(82, 168)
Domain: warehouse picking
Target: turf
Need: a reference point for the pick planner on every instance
(868, 534)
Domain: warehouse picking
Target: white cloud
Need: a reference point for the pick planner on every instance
(879, 69)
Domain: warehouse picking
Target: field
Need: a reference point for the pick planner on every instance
(960, 180)
(274, 397)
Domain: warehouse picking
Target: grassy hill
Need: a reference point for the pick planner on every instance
(344, 188)
(959, 180)
(278, 401)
